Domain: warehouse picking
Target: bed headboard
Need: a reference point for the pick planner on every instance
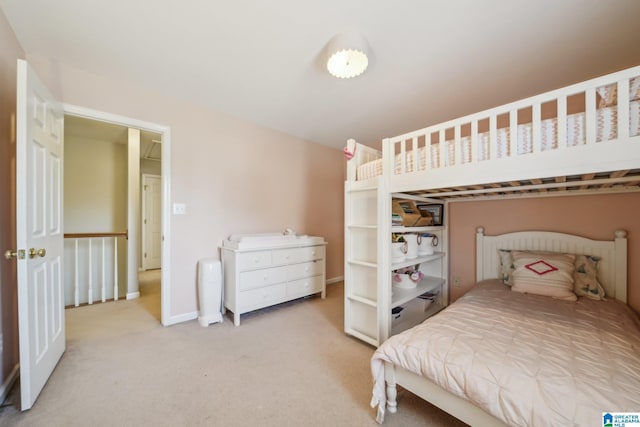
(612, 269)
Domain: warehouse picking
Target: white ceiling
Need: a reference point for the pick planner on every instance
(431, 60)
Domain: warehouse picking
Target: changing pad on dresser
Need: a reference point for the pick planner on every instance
(263, 240)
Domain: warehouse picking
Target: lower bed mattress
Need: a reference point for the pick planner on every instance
(606, 129)
(527, 360)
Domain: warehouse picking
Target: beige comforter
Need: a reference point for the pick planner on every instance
(527, 360)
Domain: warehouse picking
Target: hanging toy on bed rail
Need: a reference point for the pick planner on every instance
(349, 154)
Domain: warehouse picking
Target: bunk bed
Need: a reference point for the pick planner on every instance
(579, 137)
(584, 138)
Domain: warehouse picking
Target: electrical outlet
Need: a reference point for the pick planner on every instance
(456, 281)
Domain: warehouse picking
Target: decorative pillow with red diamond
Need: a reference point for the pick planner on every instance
(544, 273)
(541, 267)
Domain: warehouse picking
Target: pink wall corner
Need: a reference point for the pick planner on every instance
(10, 52)
(593, 216)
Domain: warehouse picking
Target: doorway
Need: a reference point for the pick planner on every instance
(152, 156)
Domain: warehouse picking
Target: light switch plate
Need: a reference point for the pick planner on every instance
(179, 209)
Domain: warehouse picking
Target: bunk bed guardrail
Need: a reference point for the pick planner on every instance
(598, 119)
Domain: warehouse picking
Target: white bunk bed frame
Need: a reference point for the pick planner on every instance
(612, 273)
(590, 167)
(610, 166)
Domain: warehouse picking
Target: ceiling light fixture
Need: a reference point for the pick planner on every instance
(347, 55)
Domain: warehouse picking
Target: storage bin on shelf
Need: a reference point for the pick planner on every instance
(409, 213)
(427, 299)
(406, 278)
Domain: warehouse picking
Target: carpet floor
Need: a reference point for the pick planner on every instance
(288, 365)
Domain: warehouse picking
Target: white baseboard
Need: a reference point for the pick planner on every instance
(133, 295)
(8, 383)
(194, 315)
(334, 280)
(181, 318)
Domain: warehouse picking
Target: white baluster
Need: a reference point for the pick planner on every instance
(513, 131)
(115, 268)
(76, 291)
(103, 270)
(536, 128)
(623, 109)
(473, 157)
(414, 149)
(90, 293)
(493, 139)
(444, 157)
(590, 115)
(562, 122)
(403, 158)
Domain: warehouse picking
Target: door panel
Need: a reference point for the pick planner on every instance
(39, 165)
(152, 221)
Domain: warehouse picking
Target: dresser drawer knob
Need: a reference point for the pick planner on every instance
(266, 277)
(256, 260)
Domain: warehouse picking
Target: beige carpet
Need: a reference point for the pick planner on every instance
(290, 365)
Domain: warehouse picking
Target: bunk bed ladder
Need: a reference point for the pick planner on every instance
(362, 259)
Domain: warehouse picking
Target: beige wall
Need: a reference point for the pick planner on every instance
(10, 51)
(595, 217)
(233, 176)
(95, 186)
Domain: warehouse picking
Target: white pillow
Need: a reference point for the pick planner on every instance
(549, 274)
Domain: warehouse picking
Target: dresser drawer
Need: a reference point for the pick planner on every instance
(295, 255)
(306, 269)
(312, 253)
(265, 277)
(253, 260)
(304, 287)
(262, 297)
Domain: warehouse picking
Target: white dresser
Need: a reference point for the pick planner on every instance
(268, 269)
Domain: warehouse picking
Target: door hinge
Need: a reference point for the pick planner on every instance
(145, 254)
(145, 220)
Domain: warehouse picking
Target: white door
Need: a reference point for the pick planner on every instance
(151, 222)
(40, 125)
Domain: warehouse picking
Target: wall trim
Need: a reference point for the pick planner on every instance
(179, 318)
(165, 288)
(334, 280)
(133, 295)
(8, 383)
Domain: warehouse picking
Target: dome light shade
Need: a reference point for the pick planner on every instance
(347, 55)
